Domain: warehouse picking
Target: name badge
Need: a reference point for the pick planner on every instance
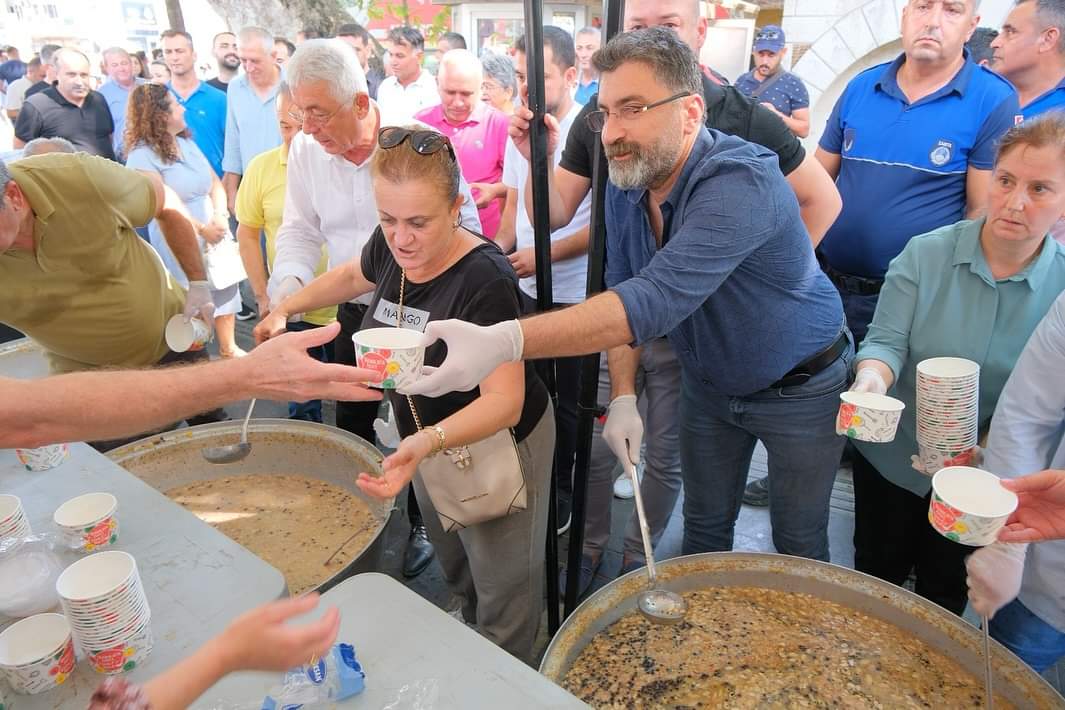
(413, 318)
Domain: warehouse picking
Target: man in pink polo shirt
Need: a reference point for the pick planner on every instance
(478, 132)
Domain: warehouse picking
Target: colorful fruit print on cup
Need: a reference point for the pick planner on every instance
(867, 416)
(397, 353)
(969, 505)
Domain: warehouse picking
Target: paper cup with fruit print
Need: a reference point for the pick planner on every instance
(934, 458)
(187, 336)
(397, 353)
(43, 458)
(969, 505)
(867, 416)
(37, 653)
(89, 522)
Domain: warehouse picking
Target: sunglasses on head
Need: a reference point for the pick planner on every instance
(424, 142)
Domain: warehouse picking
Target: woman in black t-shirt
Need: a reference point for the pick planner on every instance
(496, 568)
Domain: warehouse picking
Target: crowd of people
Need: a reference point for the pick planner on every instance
(750, 282)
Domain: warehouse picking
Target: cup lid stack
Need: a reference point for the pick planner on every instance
(948, 394)
(103, 597)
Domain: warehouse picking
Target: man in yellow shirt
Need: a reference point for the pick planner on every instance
(74, 275)
(260, 206)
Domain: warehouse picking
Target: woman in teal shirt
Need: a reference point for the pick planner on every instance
(976, 290)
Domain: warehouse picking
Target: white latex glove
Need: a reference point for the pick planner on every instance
(473, 353)
(869, 380)
(386, 430)
(289, 286)
(623, 431)
(198, 303)
(994, 576)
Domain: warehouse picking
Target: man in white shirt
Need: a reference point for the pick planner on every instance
(16, 92)
(569, 244)
(329, 200)
(410, 88)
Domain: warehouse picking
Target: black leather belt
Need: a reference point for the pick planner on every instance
(802, 372)
(857, 285)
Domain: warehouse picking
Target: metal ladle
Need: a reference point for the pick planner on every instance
(659, 605)
(231, 453)
(988, 689)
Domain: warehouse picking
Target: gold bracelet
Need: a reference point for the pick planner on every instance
(441, 439)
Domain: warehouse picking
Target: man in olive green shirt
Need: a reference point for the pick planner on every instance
(76, 277)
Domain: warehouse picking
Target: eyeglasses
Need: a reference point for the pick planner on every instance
(314, 115)
(596, 120)
(772, 35)
(424, 142)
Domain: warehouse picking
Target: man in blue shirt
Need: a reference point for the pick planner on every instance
(778, 90)
(910, 144)
(1030, 53)
(705, 246)
(251, 115)
(205, 106)
(120, 82)
(586, 42)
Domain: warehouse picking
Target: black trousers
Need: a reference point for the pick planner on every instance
(358, 417)
(892, 536)
(568, 384)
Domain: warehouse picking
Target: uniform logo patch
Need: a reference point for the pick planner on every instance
(1018, 119)
(941, 154)
(849, 134)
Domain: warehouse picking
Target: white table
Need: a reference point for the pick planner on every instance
(196, 579)
(401, 640)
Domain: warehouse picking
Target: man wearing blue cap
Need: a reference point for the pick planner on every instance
(778, 90)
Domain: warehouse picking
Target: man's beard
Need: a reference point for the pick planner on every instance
(230, 61)
(646, 166)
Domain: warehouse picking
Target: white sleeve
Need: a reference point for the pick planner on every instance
(1029, 420)
(471, 218)
(299, 238)
(513, 162)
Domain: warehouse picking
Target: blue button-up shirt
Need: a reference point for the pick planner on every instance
(1028, 435)
(940, 299)
(205, 115)
(117, 98)
(251, 125)
(735, 285)
(1050, 101)
(904, 165)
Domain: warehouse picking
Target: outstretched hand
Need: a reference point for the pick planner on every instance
(1040, 513)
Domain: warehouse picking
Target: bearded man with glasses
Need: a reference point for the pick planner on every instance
(706, 246)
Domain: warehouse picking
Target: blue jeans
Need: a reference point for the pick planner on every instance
(1036, 642)
(311, 410)
(859, 310)
(797, 426)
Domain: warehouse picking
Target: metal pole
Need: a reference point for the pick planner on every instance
(588, 407)
(540, 163)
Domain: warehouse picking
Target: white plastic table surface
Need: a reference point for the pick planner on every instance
(402, 640)
(197, 579)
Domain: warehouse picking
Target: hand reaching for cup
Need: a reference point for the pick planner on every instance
(868, 379)
(1040, 513)
(398, 469)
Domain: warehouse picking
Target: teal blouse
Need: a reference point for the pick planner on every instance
(940, 299)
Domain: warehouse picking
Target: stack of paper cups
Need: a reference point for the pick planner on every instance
(104, 600)
(948, 395)
(37, 653)
(13, 522)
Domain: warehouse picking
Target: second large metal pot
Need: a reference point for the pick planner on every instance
(279, 446)
(935, 626)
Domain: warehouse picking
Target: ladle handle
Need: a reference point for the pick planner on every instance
(988, 688)
(247, 418)
(645, 532)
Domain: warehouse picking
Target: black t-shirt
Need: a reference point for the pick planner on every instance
(88, 127)
(727, 110)
(481, 288)
(217, 83)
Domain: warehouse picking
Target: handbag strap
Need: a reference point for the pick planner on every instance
(399, 321)
(757, 93)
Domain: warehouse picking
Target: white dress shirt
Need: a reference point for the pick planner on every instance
(405, 101)
(1028, 435)
(329, 200)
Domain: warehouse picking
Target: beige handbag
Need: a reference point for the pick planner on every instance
(475, 483)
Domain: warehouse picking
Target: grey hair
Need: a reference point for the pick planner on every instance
(40, 146)
(60, 54)
(114, 50)
(330, 61)
(48, 53)
(1052, 14)
(257, 34)
(5, 178)
(659, 48)
(589, 31)
(460, 59)
(501, 69)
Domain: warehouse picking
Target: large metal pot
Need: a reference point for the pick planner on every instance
(279, 446)
(941, 630)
